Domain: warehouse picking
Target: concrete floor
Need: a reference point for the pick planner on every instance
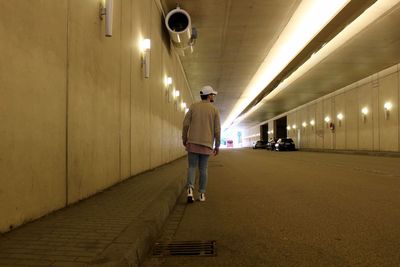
(295, 209)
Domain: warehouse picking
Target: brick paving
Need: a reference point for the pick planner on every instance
(113, 228)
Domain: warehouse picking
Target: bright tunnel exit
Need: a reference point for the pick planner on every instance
(232, 138)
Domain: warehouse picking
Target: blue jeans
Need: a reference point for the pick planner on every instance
(195, 160)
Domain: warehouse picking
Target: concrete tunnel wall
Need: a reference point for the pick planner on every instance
(76, 114)
(376, 133)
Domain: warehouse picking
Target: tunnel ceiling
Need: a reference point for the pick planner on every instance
(234, 37)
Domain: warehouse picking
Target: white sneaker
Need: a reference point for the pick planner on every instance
(202, 197)
(190, 198)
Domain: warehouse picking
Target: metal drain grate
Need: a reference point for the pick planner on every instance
(185, 248)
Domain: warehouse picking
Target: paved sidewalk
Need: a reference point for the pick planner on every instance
(113, 228)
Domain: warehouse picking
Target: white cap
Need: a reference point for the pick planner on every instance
(208, 90)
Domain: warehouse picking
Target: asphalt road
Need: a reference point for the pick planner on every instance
(294, 209)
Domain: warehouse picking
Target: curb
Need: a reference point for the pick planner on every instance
(132, 246)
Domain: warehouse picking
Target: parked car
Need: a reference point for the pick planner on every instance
(285, 144)
(260, 144)
(271, 143)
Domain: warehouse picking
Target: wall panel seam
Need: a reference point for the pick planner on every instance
(398, 104)
(130, 92)
(67, 105)
(120, 178)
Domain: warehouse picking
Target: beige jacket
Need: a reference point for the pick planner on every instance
(202, 125)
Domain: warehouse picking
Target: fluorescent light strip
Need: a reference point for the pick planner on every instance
(310, 17)
(368, 17)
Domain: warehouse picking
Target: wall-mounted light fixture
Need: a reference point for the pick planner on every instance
(183, 105)
(175, 95)
(304, 124)
(340, 118)
(106, 9)
(168, 81)
(146, 45)
(364, 112)
(294, 127)
(327, 120)
(288, 128)
(186, 110)
(387, 106)
(168, 85)
(312, 123)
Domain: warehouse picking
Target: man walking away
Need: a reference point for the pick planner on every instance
(201, 134)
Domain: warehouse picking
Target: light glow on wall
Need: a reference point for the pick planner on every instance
(168, 81)
(175, 93)
(145, 45)
(364, 112)
(387, 106)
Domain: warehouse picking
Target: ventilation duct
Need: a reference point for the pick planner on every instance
(182, 35)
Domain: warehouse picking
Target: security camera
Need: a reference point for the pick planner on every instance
(178, 23)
